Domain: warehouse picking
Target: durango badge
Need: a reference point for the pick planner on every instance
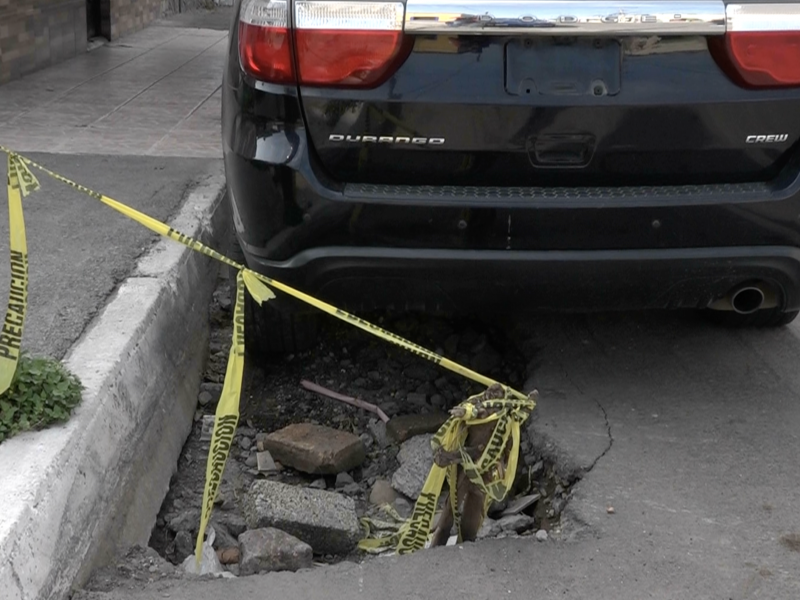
(386, 139)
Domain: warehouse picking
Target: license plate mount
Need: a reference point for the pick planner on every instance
(551, 66)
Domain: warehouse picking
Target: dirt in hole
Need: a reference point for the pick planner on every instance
(351, 362)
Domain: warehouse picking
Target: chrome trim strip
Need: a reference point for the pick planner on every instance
(763, 17)
(348, 14)
(568, 17)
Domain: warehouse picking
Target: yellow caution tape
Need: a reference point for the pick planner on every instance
(167, 231)
(510, 413)
(22, 182)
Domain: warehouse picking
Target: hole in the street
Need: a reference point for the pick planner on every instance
(350, 362)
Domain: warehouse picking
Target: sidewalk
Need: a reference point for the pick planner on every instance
(139, 120)
(154, 93)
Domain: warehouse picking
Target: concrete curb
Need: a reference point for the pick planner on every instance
(75, 494)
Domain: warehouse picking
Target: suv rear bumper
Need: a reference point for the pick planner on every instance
(459, 249)
(453, 281)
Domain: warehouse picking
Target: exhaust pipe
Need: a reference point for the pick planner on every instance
(747, 298)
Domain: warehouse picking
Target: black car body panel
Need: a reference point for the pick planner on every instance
(657, 192)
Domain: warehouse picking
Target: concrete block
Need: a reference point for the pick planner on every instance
(324, 520)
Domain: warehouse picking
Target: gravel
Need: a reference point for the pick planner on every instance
(541, 535)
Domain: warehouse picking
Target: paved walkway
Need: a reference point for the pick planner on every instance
(154, 93)
(139, 120)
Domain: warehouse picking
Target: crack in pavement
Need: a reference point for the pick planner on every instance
(601, 348)
(17, 580)
(609, 433)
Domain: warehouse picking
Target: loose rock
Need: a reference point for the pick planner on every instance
(541, 535)
(403, 507)
(378, 430)
(212, 389)
(186, 521)
(245, 443)
(351, 489)
(265, 462)
(520, 504)
(516, 523)
(343, 479)
(367, 440)
(316, 449)
(269, 549)
(489, 528)
(204, 398)
(318, 484)
(222, 537)
(232, 522)
(407, 426)
(184, 545)
(382, 492)
(325, 520)
(228, 556)
(417, 399)
(416, 460)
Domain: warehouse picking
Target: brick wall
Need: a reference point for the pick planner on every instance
(171, 7)
(38, 33)
(128, 16)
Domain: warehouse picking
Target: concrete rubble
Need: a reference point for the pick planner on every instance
(315, 449)
(515, 523)
(416, 460)
(325, 520)
(382, 492)
(269, 549)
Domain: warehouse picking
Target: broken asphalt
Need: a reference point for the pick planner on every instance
(689, 432)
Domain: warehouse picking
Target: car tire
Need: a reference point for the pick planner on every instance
(272, 332)
(269, 331)
(765, 318)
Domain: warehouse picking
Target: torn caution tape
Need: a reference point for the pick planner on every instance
(508, 413)
(22, 182)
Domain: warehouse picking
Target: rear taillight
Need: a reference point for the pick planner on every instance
(348, 44)
(334, 43)
(264, 40)
(761, 48)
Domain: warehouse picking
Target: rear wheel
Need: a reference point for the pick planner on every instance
(768, 317)
(271, 331)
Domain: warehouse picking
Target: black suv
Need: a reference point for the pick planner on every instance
(485, 155)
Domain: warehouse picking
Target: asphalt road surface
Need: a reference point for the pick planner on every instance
(691, 433)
